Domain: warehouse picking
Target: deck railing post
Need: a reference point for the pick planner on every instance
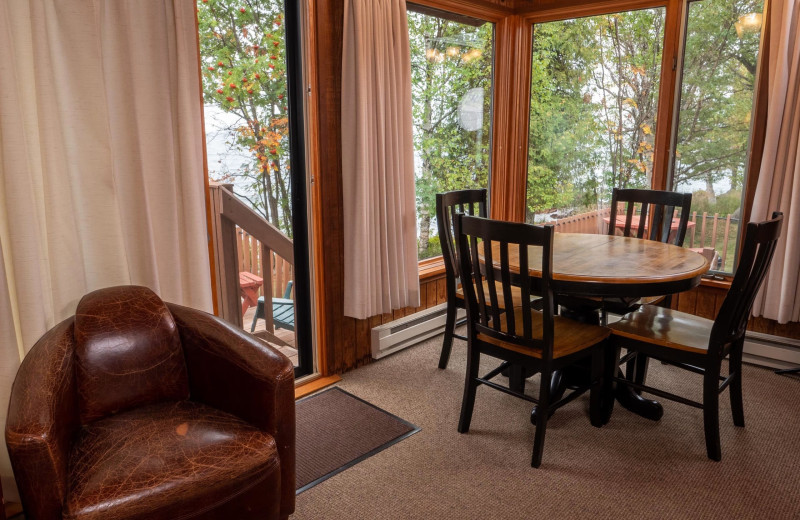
(230, 272)
(266, 269)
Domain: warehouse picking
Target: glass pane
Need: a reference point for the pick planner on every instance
(451, 88)
(719, 74)
(594, 99)
(243, 53)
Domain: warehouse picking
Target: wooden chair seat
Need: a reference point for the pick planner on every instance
(569, 336)
(665, 327)
(516, 294)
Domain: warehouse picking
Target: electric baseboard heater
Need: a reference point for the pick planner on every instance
(410, 330)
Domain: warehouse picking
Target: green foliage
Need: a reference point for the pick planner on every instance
(594, 93)
(244, 73)
(716, 95)
(434, 248)
(725, 204)
(448, 60)
(594, 97)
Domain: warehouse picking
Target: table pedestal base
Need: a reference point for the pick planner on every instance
(574, 376)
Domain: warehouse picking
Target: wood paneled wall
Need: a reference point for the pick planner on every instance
(344, 343)
(706, 300)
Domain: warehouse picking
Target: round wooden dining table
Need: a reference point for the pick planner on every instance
(588, 267)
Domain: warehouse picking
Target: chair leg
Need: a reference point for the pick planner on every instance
(541, 420)
(470, 388)
(596, 391)
(735, 389)
(258, 314)
(711, 412)
(449, 329)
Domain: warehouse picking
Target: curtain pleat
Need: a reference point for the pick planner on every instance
(779, 179)
(101, 165)
(380, 230)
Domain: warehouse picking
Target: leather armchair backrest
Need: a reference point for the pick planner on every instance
(128, 352)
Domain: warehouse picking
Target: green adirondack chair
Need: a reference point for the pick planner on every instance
(282, 310)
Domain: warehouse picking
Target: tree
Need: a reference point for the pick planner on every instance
(244, 73)
(594, 95)
(594, 98)
(716, 95)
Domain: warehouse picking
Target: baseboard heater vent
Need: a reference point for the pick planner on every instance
(410, 330)
(771, 351)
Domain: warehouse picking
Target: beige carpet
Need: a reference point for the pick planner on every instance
(630, 468)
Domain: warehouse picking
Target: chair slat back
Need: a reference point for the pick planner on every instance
(660, 206)
(485, 251)
(760, 241)
(448, 205)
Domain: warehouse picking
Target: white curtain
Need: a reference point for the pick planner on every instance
(101, 165)
(779, 180)
(380, 229)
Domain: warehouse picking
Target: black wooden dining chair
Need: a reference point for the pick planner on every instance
(656, 210)
(699, 345)
(448, 205)
(535, 340)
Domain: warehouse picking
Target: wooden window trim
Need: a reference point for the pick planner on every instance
(431, 268)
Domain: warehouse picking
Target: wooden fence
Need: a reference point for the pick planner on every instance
(706, 230)
(706, 233)
(589, 222)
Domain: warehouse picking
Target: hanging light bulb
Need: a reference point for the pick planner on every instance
(748, 23)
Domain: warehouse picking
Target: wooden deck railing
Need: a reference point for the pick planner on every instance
(251, 252)
(589, 222)
(245, 241)
(713, 231)
(717, 232)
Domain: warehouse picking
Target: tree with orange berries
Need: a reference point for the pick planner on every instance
(242, 48)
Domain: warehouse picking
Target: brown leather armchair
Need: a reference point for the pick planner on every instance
(137, 409)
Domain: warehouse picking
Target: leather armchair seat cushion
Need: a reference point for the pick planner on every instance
(170, 460)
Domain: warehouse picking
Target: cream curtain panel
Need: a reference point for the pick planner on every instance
(101, 162)
(779, 180)
(380, 230)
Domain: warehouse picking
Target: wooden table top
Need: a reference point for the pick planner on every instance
(605, 265)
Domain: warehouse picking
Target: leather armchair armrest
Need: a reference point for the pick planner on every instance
(42, 421)
(234, 372)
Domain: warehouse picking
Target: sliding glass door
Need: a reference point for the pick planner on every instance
(253, 94)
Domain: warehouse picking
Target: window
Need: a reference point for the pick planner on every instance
(593, 117)
(451, 71)
(594, 99)
(716, 99)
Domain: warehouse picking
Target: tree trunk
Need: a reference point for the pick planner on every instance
(712, 197)
(424, 232)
